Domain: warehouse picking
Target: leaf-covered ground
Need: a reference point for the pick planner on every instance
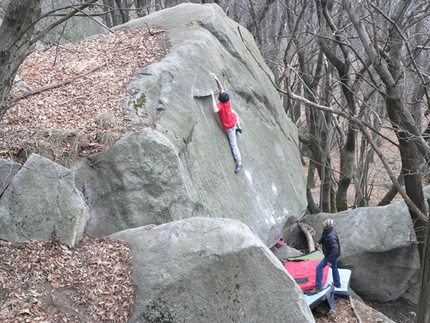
(69, 103)
(49, 282)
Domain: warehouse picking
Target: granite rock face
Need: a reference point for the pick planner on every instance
(182, 165)
(42, 199)
(210, 270)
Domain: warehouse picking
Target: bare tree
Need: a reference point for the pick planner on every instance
(423, 314)
(364, 83)
(18, 35)
(319, 133)
(387, 62)
(16, 32)
(117, 12)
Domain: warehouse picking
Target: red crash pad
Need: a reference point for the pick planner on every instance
(304, 272)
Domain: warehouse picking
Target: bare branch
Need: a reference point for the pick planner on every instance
(309, 239)
(44, 32)
(48, 87)
(350, 118)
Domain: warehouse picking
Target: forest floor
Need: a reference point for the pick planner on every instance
(399, 311)
(68, 101)
(46, 281)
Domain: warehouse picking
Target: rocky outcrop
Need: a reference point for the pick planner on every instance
(379, 246)
(210, 270)
(368, 314)
(139, 181)
(42, 199)
(183, 166)
(3, 7)
(283, 252)
(74, 29)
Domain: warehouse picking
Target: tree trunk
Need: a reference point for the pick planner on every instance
(15, 35)
(319, 124)
(308, 235)
(319, 146)
(346, 170)
(312, 207)
(391, 194)
(389, 68)
(122, 11)
(141, 7)
(330, 46)
(423, 314)
(363, 187)
(107, 17)
(361, 181)
(115, 18)
(413, 187)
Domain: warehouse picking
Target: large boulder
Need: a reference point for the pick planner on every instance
(187, 142)
(368, 314)
(379, 246)
(3, 8)
(41, 200)
(79, 27)
(209, 270)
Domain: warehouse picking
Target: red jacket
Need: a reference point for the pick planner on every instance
(227, 117)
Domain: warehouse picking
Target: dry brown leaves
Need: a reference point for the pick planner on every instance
(311, 229)
(49, 282)
(84, 115)
(344, 312)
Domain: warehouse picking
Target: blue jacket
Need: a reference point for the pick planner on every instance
(330, 245)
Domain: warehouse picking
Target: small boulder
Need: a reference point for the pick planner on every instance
(40, 199)
(379, 246)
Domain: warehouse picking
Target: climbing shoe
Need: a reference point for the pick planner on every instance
(315, 291)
